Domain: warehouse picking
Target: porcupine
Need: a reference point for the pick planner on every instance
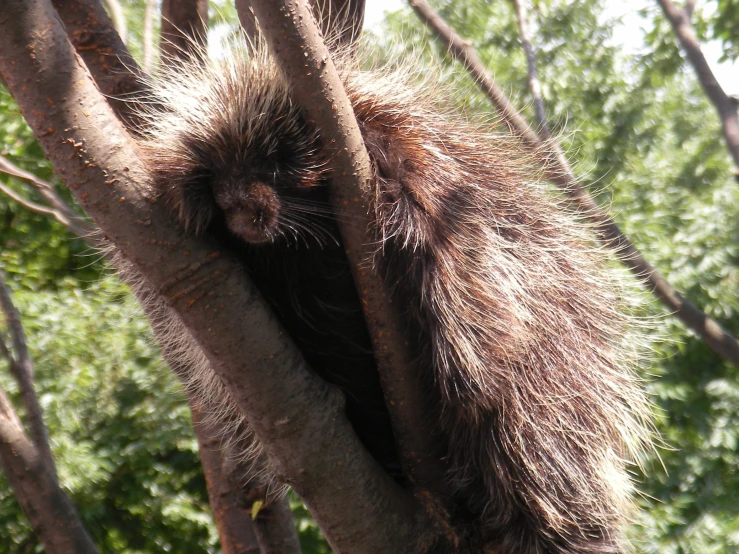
(511, 311)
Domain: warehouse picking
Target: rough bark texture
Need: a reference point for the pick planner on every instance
(298, 418)
(100, 46)
(559, 172)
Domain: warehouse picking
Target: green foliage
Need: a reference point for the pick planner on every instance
(34, 245)
(725, 27)
(120, 431)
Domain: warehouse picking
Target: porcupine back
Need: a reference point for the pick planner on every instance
(517, 318)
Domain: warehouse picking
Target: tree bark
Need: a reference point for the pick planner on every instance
(298, 418)
(100, 46)
(231, 516)
(182, 21)
(21, 366)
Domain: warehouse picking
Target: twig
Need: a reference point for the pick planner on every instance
(725, 106)
(558, 170)
(60, 210)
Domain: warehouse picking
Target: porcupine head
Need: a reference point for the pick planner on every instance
(516, 320)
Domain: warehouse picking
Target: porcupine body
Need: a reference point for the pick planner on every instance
(511, 313)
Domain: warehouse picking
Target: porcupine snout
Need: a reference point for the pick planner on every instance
(252, 212)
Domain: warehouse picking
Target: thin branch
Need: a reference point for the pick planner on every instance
(558, 170)
(264, 373)
(725, 106)
(21, 367)
(119, 18)
(234, 523)
(148, 37)
(59, 210)
(532, 74)
(296, 44)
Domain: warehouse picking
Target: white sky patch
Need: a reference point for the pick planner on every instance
(375, 10)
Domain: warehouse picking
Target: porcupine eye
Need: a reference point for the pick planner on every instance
(251, 210)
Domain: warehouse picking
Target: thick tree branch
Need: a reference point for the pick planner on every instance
(317, 88)
(558, 170)
(100, 46)
(725, 106)
(229, 517)
(182, 20)
(21, 366)
(318, 454)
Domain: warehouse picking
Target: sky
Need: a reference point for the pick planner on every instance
(629, 34)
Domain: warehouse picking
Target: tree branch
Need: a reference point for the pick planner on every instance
(148, 35)
(558, 170)
(184, 24)
(532, 74)
(725, 106)
(316, 87)
(266, 376)
(119, 18)
(53, 517)
(100, 46)
(59, 209)
(21, 366)
(234, 524)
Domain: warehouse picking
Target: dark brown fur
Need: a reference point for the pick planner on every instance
(515, 319)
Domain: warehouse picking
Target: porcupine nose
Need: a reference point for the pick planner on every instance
(255, 213)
